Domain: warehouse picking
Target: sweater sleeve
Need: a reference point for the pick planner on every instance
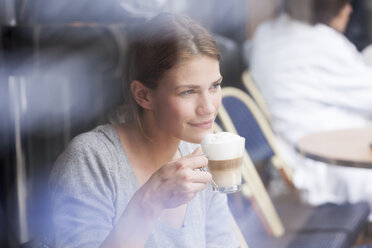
(82, 194)
(219, 228)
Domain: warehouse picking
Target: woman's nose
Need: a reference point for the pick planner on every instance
(205, 105)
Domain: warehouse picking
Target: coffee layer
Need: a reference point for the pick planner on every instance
(227, 178)
(224, 164)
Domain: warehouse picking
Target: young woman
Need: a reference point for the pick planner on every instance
(138, 183)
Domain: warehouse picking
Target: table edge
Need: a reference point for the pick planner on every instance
(337, 162)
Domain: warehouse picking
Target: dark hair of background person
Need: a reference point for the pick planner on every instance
(314, 11)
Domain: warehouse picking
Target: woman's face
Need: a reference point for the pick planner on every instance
(187, 99)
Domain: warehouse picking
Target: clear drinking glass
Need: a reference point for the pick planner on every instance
(225, 154)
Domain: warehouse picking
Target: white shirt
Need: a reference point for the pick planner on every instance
(367, 55)
(313, 79)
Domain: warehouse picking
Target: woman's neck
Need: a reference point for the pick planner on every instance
(339, 22)
(149, 144)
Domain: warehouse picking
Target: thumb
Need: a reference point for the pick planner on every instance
(196, 152)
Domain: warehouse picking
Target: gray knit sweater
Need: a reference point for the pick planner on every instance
(92, 183)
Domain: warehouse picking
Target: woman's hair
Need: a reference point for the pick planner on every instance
(314, 11)
(158, 45)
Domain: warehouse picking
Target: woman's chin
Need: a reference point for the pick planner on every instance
(197, 137)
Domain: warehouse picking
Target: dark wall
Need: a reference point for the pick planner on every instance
(67, 79)
(359, 29)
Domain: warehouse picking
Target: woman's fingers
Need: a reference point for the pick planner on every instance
(177, 182)
(196, 176)
(196, 187)
(188, 191)
(187, 169)
(196, 152)
(194, 161)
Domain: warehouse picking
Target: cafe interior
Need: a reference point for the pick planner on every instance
(61, 73)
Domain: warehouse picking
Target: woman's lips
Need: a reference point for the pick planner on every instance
(203, 125)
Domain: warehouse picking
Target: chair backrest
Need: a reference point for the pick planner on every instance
(254, 189)
(320, 227)
(238, 234)
(256, 94)
(240, 113)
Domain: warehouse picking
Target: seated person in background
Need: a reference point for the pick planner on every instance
(313, 79)
(367, 55)
(134, 184)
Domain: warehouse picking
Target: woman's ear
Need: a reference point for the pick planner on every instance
(141, 94)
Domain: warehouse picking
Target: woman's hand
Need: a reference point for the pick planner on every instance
(177, 182)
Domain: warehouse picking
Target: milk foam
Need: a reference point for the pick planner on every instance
(222, 146)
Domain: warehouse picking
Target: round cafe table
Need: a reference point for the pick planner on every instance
(348, 147)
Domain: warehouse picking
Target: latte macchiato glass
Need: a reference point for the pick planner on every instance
(225, 153)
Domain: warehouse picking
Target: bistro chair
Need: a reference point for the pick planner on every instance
(239, 114)
(260, 224)
(257, 236)
(238, 234)
(254, 189)
(260, 145)
(254, 92)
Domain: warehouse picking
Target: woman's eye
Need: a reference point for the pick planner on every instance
(215, 86)
(187, 92)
